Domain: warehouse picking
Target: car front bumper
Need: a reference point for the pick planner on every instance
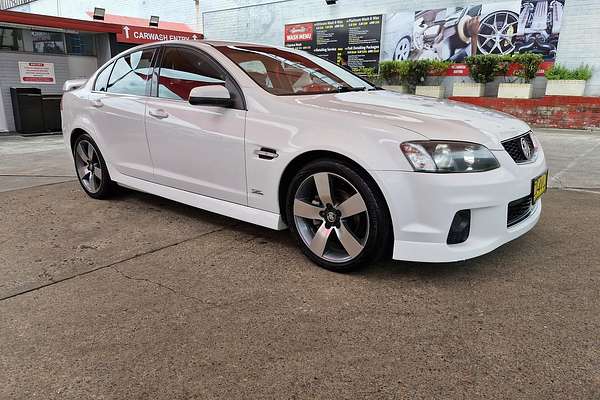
(423, 206)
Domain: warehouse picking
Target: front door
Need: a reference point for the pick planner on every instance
(119, 103)
(199, 149)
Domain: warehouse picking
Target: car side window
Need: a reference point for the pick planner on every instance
(102, 79)
(131, 73)
(183, 69)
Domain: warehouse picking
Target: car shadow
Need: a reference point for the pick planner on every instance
(387, 269)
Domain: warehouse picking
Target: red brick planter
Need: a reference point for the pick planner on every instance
(569, 112)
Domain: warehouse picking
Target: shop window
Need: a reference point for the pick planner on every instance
(48, 42)
(182, 70)
(82, 44)
(131, 73)
(11, 39)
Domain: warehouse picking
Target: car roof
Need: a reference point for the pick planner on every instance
(210, 43)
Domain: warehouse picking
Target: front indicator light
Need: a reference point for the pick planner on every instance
(436, 156)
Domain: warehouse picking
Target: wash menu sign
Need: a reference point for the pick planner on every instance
(358, 38)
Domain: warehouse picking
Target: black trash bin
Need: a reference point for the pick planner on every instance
(51, 112)
(27, 110)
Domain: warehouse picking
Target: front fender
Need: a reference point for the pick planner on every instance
(370, 144)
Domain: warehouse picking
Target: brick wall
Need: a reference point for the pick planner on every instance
(263, 20)
(568, 112)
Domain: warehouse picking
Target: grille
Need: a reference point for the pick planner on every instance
(513, 147)
(518, 210)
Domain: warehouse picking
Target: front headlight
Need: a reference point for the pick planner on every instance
(435, 156)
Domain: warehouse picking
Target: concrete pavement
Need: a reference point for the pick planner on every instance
(165, 302)
(143, 298)
(33, 161)
(573, 157)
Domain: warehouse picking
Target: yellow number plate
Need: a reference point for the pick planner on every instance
(539, 186)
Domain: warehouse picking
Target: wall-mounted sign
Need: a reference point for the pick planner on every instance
(38, 73)
(358, 39)
(454, 33)
(140, 34)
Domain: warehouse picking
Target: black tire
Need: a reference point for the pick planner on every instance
(106, 187)
(376, 241)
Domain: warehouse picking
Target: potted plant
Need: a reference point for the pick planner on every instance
(563, 81)
(394, 75)
(482, 69)
(526, 66)
(436, 69)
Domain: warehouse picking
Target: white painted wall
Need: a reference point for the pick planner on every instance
(172, 10)
(263, 21)
(3, 121)
(81, 67)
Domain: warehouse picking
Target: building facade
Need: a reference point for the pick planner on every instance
(41, 52)
(185, 11)
(263, 21)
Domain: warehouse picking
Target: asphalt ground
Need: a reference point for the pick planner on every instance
(143, 298)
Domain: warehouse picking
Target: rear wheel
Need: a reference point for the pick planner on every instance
(337, 216)
(91, 168)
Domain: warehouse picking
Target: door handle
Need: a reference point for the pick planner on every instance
(160, 113)
(97, 103)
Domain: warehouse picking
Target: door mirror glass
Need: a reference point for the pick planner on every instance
(211, 95)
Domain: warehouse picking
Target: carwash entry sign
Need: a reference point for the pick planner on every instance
(140, 34)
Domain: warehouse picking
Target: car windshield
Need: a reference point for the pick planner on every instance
(282, 72)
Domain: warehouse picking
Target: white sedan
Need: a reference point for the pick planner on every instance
(281, 138)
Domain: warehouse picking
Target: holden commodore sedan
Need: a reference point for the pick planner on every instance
(281, 138)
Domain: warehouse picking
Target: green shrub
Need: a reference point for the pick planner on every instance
(394, 72)
(583, 72)
(527, 65)
(438, 68)
(483, 68)
(558, 72)
(370, 75)
(504, 63)
(417, 72)
(408, 72)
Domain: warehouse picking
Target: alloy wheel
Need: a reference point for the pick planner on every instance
(331, 217)
(402, 49)
(497, 32)
(88, 166)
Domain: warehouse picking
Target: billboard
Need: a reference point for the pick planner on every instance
(539, 27)
(357, 38)
(454, 33)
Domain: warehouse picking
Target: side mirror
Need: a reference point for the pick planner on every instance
(73, 84)
(211, 95)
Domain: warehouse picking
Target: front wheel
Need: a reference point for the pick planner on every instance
(91, 168)
(337, 216)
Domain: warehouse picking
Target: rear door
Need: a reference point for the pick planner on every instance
(119, 99)
(197, 148)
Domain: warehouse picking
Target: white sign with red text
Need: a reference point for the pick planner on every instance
(38, 73)
(141, 34)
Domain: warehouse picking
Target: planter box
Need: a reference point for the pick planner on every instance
(565, 88)
(430, 91)
(468, 89)
(396, 88)
(515, 91)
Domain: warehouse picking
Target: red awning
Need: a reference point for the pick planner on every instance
(125, 33)
(132, 21)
